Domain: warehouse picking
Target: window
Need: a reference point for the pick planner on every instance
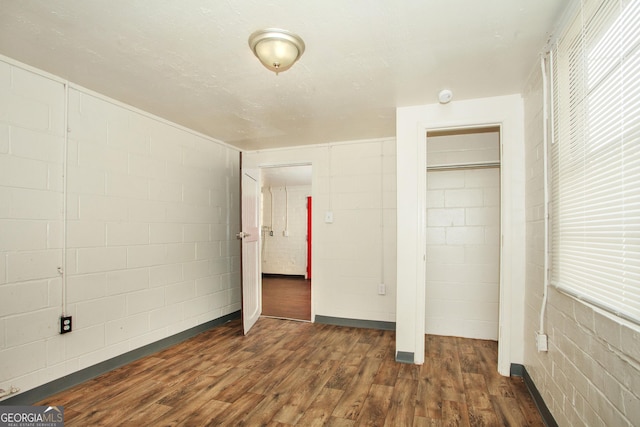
(595, 157)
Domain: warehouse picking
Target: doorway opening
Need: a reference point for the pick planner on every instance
(463, 233)
(286, 242)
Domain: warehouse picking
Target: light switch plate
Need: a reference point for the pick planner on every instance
(328, 217)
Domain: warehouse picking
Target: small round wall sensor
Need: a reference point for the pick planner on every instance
(445, 96)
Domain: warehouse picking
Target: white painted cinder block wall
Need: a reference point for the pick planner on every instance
(591, 374)
(285, 254)
(354, 254)
(152, 209)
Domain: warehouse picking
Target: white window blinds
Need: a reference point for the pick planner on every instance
(595, 157)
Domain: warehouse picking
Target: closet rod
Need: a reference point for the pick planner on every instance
(464, 166)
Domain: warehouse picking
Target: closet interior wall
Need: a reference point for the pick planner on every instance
(463, 233)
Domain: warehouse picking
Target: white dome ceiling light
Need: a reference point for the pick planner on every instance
(277, 49)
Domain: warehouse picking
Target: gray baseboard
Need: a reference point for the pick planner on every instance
(356, 323)
(520, 371)
(29, 397)
(405, 357)
(516, 370)
(283, 276)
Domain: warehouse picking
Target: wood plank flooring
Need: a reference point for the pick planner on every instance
(288, 373)
(286, 297)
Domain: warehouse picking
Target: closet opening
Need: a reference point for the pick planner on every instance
(463, 219)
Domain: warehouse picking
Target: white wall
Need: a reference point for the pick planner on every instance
(285, 254)
(591, 373)
(463, 237)
(411, 124)
(353, 255)
(468, 146)
(152, 210)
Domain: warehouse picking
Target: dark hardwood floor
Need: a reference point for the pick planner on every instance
(287, 297)
(288, 373)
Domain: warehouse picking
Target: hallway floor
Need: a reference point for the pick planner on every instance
(287, 297)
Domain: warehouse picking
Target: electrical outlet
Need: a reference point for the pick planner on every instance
(382, 289)
(65, 324)
(541, 342)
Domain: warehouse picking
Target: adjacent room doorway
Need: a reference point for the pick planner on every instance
(286, 242)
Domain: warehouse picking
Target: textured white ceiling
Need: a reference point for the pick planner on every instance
(188, 60)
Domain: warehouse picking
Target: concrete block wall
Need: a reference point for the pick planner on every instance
(357, 251)
(463, 238)
(591, 374)
(152, 210)
(31, 154)
(354, 254)
(285, 254)
(464, 147)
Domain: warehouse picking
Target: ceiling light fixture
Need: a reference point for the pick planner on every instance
(277, 49)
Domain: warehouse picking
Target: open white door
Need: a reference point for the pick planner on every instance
(251, 291)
